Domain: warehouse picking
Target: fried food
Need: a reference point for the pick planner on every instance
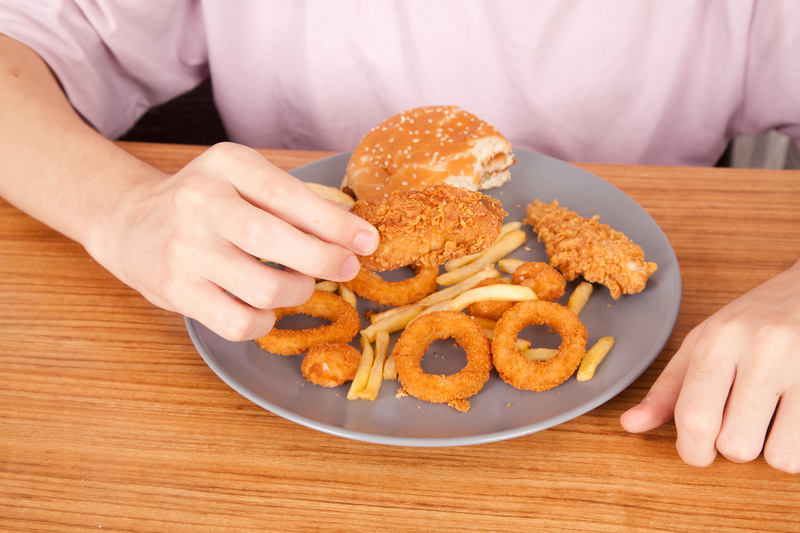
(430, 226)
(502, 293)
(345, 324)
(330, 364)
(396, 293)
(546, 281)
(456, 388)
(579, 246)
(491, 309)
(373, 386)
(440, 296)
(580, 297)
(505, 229)
(539, 376)
(594, 356)
(501, 248)
(364, 370)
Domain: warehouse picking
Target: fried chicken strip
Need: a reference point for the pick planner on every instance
(582, 246)
(430, 226)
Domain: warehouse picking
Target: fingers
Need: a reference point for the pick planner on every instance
(267, 187)
(657, 407)
(263, 235)
(228, 317)
(255, 283)
(659, 404)
(748, 412)
(782, 450)
(699, 409)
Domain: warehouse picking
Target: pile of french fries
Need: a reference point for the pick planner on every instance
(460, 279)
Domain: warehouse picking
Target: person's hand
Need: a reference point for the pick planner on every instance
(734, 384)
(183, 240)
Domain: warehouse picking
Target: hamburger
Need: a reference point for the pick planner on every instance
(424, 146)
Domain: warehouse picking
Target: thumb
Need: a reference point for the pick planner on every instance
(659, 404)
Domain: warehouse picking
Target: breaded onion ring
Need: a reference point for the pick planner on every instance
(491, 309)
(539, 376)
(330, 364)
(327, 305)
(544, 280)
(408, 291)
(456, 388)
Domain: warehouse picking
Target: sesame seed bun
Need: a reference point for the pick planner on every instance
(424, 146)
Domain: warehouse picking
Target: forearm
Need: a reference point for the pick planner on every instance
(53, 166)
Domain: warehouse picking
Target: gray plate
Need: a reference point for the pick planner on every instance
(641, 325)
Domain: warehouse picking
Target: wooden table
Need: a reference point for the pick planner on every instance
(110, 419)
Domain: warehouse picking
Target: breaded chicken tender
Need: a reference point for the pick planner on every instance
(430, 226)
(580, 246)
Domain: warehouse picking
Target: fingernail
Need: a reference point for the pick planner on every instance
(364, 243)
(350, 268)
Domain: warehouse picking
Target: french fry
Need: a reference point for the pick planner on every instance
(522, 344)
(327, 286)
(390, 368)
(485, 323)
(393, 323)
(508, 265)
(370, 391)
(362, 373)
(347, 294)
(437, 297)
(333, 194)
(461, 261)
(503, 293)
(594, 356)
(579, 297)
(501, 248)
(539, 354)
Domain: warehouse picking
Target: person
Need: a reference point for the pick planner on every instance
(662, 82)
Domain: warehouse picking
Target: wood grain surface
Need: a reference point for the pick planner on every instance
(110, 420)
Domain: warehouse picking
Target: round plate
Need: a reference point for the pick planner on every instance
(640, 325)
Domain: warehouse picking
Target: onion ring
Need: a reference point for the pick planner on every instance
(456, 388)
(491, 309)
(544, 280)
(327, 305)
(538, 376)
(330, 364)
(371, 286)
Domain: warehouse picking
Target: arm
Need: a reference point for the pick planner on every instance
(183, 239)
(731, 375)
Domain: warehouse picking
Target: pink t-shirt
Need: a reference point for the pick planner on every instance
(661, 82)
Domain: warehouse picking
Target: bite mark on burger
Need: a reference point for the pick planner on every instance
(424, 146)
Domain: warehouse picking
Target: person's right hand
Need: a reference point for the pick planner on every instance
(186, 239)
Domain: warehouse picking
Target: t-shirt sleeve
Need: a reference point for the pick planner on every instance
(114, 60)
(772, 83)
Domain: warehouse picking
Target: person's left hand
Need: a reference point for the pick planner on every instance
(734, 375)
